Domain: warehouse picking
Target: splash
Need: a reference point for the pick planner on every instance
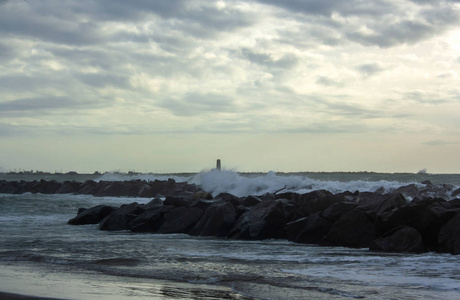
(228, 181)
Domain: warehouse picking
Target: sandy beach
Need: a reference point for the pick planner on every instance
(24, 282)
(10, 296)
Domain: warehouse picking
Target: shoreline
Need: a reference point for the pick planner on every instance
(40, 282)
(13, 296)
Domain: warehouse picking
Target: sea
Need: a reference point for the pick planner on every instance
(42, 256)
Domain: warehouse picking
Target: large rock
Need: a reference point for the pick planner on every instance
(180, 220)
(217, 220)
(120, 218)
(375, 204)
(402, 239)
(151, 219)
(336, 210)
(353, 229)
(92, 215)
(426, 215)
(263, 221)
(308, 230)
(181, 201)
(449, 236)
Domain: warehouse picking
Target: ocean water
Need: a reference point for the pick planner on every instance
(43, 256)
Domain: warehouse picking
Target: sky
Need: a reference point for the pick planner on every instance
(171, 86)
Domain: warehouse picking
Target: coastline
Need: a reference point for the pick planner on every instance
(39, 282)
(11, 296)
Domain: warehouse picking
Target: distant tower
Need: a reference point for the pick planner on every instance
(218, 165)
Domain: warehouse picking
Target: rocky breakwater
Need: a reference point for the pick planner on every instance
(131, 188)
(413, 218)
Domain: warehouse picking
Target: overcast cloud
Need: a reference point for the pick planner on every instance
(347, 69)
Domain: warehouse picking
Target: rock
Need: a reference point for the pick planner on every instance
(217, 220)
(402, 239)
(145, 191)
(378, 204)
(180, 201)
(92, 215)
(409, 191)
(114, 188)
(449, 236)
(150, 220)
(336, 210)
(263, 221)
(234, 200)
(180, 220)
(87, 188)
(202, 195)
(308, 230)
(120, 218)
(426, 215)
(353, 229)
(9, 187)
(68, 187)
(455, 193)
(251, 201)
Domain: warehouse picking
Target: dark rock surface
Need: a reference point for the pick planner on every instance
(131, 188)
(92, 215)
(402, 239)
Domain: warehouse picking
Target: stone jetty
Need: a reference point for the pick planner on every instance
(410, 219)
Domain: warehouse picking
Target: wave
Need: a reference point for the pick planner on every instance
(226, 181)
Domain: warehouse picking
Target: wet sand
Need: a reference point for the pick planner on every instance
(9, 296)
(19, 282)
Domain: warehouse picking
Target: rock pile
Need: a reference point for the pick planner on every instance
(375, 220)
(132, 188)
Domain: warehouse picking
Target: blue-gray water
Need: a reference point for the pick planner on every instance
(41, 255)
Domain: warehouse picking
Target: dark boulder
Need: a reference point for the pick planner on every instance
(308, 203)
(449, 236)
(250, 201)
(202, 195)
(114, 188)
(180, 220)
(308, 230)
(150, 220)
(375, 204)
(353, 229)
(234, 200)
(263, 221)
(426, 215)
(402, 239)
(120, 218)
(92, 215)
(179, 201)
(217, 220)
(455, 193)
(336, 210)
(68, 187)
(9, 187)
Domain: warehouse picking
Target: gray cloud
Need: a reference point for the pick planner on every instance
(261, 58)
(102, 80)
(39, 103)
(370, 69)
(193, 104)
(430, 98)
(327, 7)
(326, 81)
(388, 23)
(438, 143)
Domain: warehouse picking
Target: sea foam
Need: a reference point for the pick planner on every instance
(227, 181)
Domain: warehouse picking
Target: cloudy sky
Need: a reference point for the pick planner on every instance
(170, 86)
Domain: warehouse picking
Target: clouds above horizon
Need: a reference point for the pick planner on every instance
(113, 67)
